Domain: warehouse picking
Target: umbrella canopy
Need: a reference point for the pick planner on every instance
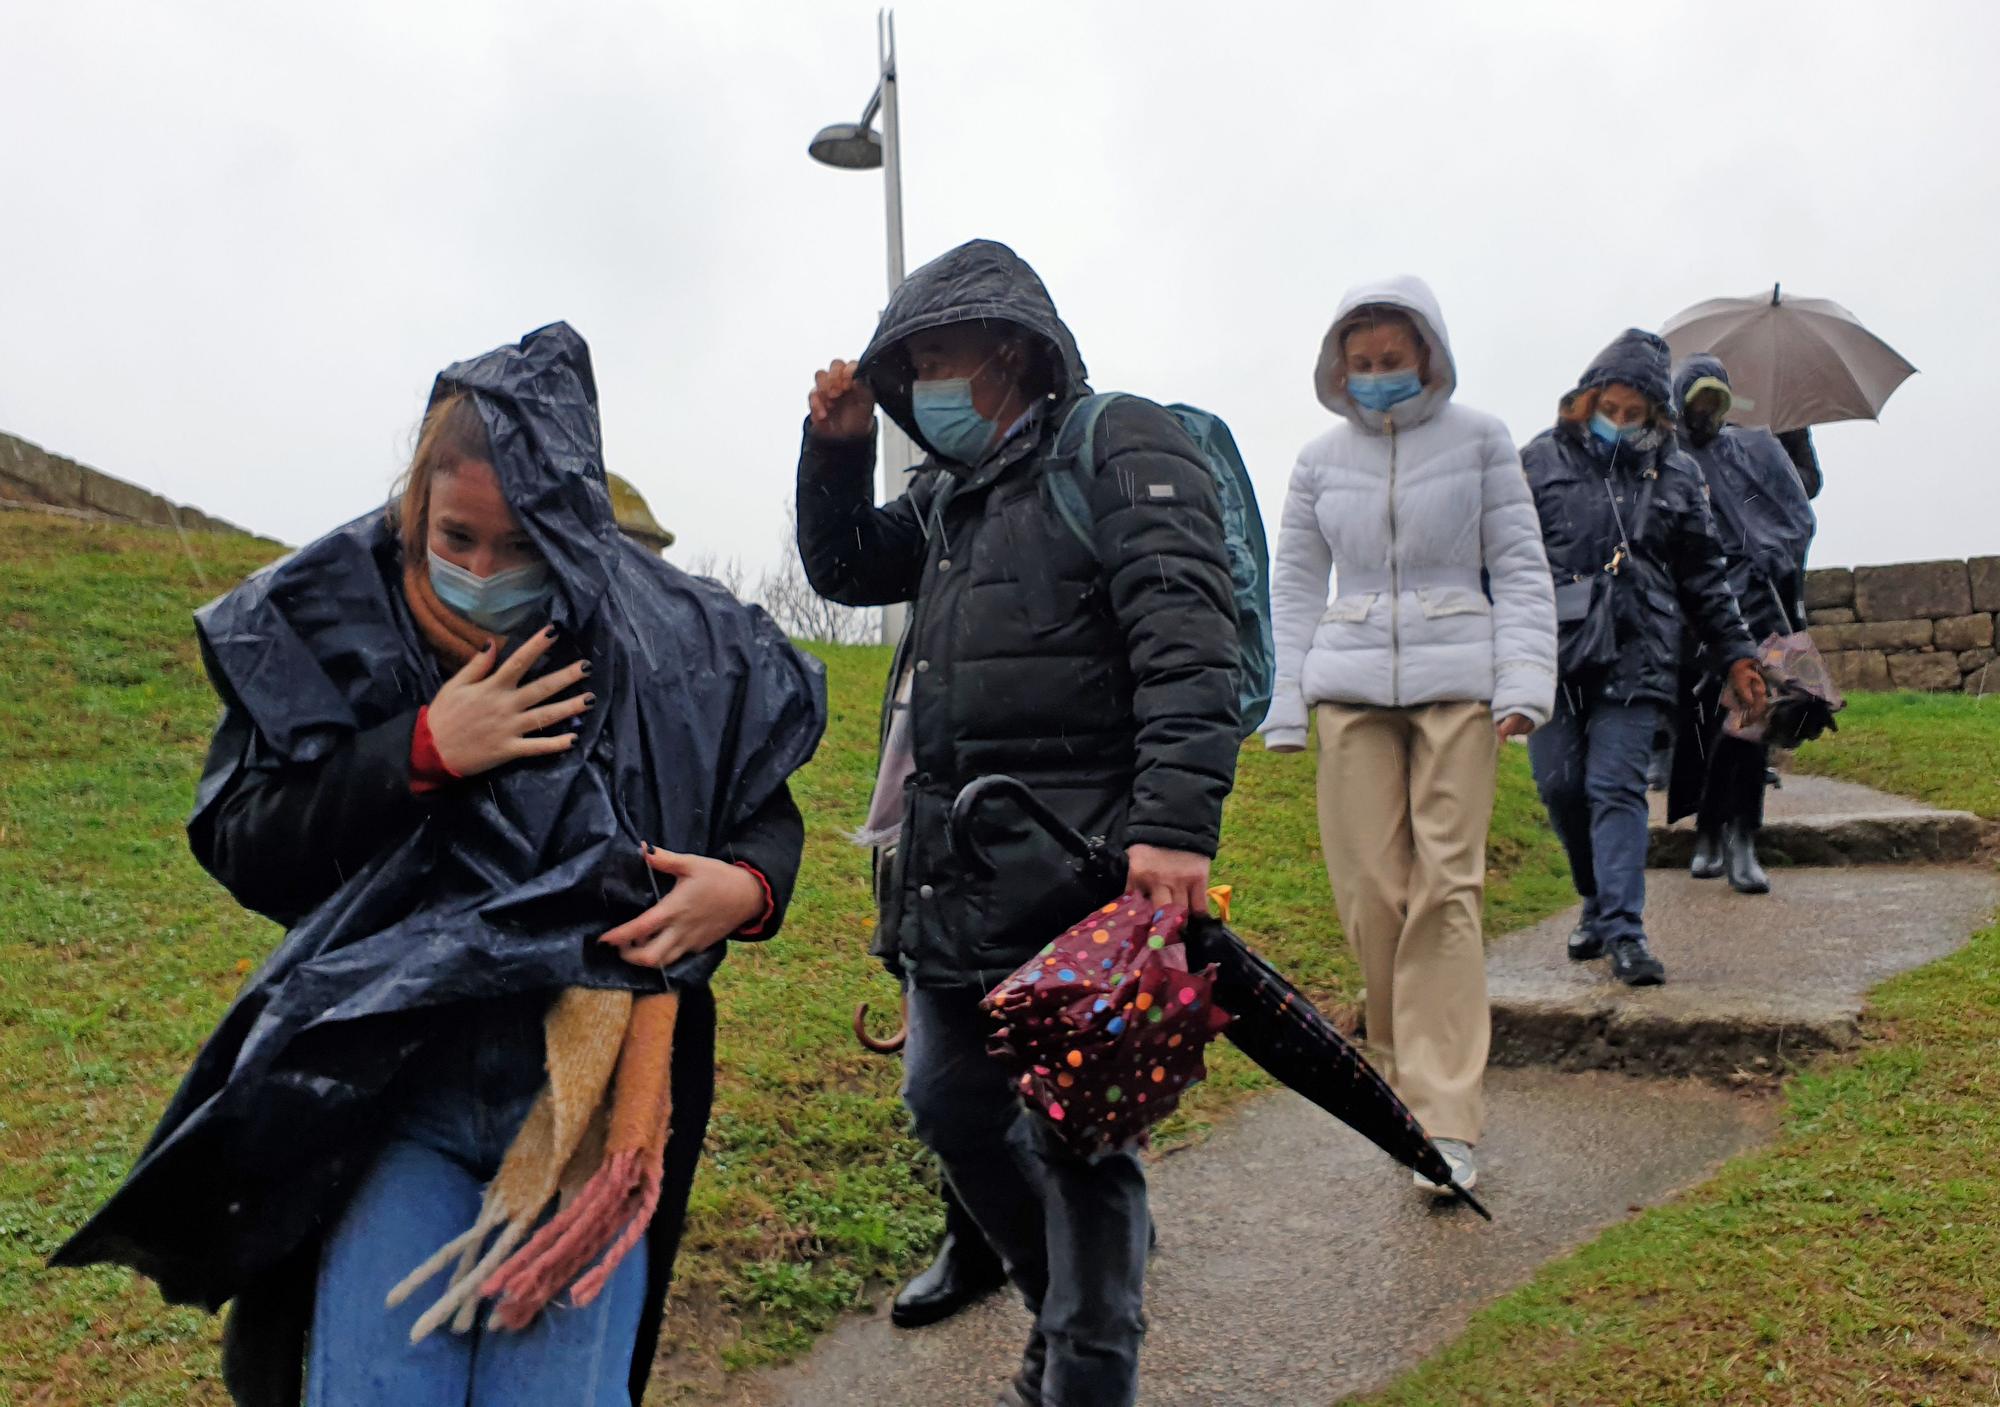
(1794, 362)
(1123, 1004)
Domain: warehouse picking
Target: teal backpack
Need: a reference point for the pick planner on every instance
(1073, 463)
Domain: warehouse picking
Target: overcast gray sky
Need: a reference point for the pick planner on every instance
(238, 239)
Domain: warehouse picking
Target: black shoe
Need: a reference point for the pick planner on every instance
(1634, 964)
(1708, 857)
(1585, 945)
(1739, 846)
(964, 1273)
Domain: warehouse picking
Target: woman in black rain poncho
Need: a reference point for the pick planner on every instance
(510, 781)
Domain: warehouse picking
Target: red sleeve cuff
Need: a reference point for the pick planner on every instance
(428, 771)
(757, 929)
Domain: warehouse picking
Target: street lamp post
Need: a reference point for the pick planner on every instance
(856, 146)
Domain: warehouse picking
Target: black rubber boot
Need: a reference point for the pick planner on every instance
(966, 1271)
(1739, 845)
(1708, 856)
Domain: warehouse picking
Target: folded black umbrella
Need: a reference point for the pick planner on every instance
(1272, 1021)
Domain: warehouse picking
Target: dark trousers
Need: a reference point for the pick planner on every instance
(1590, 767)
(1071, 1230)
(1734, 787)
(1716, 778)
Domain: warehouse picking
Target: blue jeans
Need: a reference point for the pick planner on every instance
(1590, 767)
(1073, 1231)
(450, 1134)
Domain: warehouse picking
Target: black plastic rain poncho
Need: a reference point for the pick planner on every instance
(497, 886)
(1762, 516)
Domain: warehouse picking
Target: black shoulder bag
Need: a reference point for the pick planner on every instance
(1586, 613)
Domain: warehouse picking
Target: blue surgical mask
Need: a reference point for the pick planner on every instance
(1605, 431)
(945, 414)
(1385, 389)
(501, 603)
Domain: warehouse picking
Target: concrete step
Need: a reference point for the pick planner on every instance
(1821, 821)
(1754, 983)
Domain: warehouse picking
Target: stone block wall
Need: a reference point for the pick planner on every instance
(1919, 625)
(30, 475)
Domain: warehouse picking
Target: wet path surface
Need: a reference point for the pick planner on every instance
(1307, 1253)
(1297, 1265)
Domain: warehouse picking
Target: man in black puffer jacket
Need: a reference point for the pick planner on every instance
(1617, 496)
(1102, 674)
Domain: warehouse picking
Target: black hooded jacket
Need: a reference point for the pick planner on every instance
(1762, 516)
(1102, 676)
(406, 914)
(1676, 574)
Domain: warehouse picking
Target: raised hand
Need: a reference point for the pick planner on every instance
(841, 406)
(483, 716)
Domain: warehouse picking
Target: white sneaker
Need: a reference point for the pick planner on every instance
(1457, 1157)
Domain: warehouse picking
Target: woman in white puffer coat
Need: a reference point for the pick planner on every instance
(1439, 643)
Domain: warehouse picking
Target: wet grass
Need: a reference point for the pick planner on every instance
(1854, 1261)
(117, 954)
(1940, 748)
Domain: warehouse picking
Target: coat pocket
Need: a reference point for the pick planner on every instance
(1350, 610)
(1450, 601)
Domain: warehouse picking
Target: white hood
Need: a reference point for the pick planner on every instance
(1413, 296)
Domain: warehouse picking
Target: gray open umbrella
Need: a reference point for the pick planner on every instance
(1795, 361)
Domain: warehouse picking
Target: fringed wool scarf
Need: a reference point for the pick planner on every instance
(595, 1138)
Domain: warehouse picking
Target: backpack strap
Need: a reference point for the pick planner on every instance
(1072, 465)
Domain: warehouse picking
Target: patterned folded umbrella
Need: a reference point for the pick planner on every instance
(1104, 1029)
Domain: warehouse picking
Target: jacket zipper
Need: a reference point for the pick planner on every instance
(1395, 580)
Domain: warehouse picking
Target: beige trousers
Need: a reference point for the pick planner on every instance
(1405, 799)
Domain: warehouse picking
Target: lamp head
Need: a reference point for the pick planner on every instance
(848, 145)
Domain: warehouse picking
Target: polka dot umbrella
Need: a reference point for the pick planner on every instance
(1104, 1030)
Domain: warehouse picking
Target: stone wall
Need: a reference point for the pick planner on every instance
(32, 477)
(1920, 625)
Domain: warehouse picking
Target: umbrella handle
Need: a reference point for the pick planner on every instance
(1095, 855)
(880, 1045)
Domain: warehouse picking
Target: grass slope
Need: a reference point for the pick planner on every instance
(1856, 1260)
(117, 954)
(1940, 748)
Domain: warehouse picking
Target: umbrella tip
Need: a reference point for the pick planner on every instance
(1774, 295)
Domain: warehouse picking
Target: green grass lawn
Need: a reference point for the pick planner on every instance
(117, 954)
(1940, 748)
(1856, 1260)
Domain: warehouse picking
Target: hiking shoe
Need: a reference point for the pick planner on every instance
(1634, 964)
(1457, 1157)
(1584, 944)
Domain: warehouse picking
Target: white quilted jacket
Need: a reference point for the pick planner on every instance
(1406, 510)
